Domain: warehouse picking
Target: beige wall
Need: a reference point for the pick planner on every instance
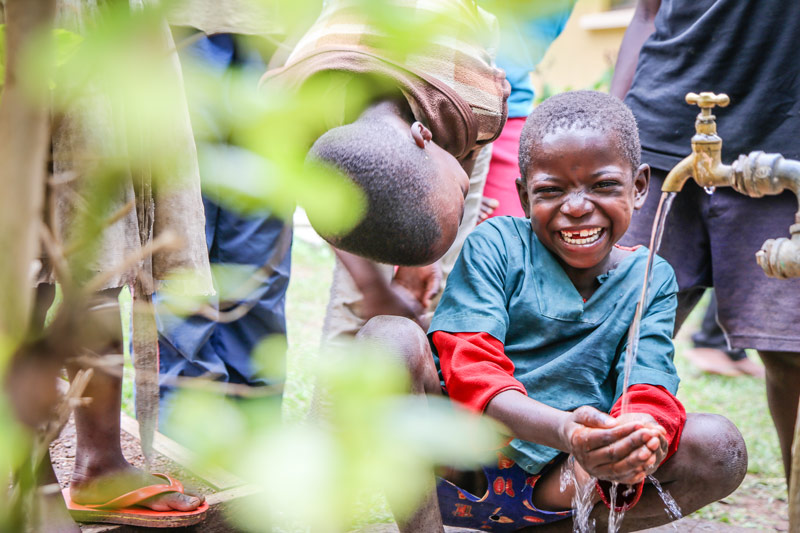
(585, 50)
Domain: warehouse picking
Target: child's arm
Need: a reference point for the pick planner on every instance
(479, 375)
(607, 448)
(380, 296)
(653, 378)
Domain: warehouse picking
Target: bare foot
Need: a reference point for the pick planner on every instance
(750, 367)
(712, 361)
(100, 488)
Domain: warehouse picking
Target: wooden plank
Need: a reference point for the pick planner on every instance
(231, 495)
(217, 478)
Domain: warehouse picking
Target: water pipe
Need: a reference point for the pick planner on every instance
(755, 175)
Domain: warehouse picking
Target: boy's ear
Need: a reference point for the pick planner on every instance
(522, 191)
(420, 134)
(641, 183)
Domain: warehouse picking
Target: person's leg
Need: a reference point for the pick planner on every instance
(710, 463)
(783, 394)
(405, 339)
(252, 241)
(101, 472)
(756, 311)
(52, 514)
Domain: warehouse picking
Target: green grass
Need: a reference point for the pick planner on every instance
(307, 297)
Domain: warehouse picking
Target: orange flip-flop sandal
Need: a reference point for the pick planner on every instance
(125, 509)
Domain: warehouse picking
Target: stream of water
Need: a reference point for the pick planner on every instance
(581, 508)
(581, 501)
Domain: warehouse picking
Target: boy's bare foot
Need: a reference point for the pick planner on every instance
(100, 487)
(712, 361)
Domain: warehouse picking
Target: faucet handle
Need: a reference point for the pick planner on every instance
(708, 100)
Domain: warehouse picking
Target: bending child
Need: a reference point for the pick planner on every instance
(430, 112)
(532, 330)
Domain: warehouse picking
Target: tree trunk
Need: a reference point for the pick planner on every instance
(23, 151)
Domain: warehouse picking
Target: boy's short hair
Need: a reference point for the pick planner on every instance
(400, 225)
(581, 110)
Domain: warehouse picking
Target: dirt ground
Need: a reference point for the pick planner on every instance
(754, 505)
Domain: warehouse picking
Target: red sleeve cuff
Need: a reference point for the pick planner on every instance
(627, 495)
(475, 368)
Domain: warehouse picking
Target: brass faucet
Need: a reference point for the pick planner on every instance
(755, 175)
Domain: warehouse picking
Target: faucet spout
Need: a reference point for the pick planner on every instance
(755, 175)
(679, 174)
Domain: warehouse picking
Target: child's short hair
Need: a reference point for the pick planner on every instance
(400, 225)
(581, 110)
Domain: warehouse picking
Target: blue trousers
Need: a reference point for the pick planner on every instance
(196, 346)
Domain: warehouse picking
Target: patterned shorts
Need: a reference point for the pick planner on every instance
(506, 506)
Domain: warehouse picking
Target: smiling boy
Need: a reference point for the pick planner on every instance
(532, 331)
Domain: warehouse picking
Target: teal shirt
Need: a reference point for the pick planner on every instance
(566, 353)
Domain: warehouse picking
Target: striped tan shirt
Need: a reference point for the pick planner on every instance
(449, 80)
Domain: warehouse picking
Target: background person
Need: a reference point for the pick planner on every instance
(710, 240)
(197, 346)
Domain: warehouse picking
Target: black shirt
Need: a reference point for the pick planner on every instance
(748, 49)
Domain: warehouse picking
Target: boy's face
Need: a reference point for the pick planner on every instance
(450, 190)
(580, 194)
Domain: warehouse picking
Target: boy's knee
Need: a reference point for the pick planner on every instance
(716, 453)
(401, 337)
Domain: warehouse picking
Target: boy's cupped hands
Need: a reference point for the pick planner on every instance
(625, 449)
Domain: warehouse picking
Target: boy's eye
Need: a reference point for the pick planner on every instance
(605, 184)
(547, 191)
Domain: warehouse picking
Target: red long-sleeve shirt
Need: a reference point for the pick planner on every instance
(476, 369)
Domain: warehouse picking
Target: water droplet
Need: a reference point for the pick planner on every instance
(709, 190)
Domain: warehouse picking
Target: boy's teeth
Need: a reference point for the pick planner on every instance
(584, 236)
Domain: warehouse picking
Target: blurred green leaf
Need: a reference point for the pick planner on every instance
(269, 357)
(191, 412)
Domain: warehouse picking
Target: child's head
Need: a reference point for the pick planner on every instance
(415, 190)
(581, 176)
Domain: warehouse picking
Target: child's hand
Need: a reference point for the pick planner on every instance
(422, 282)
(654, 451)
(488, 205)
(624, 450)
